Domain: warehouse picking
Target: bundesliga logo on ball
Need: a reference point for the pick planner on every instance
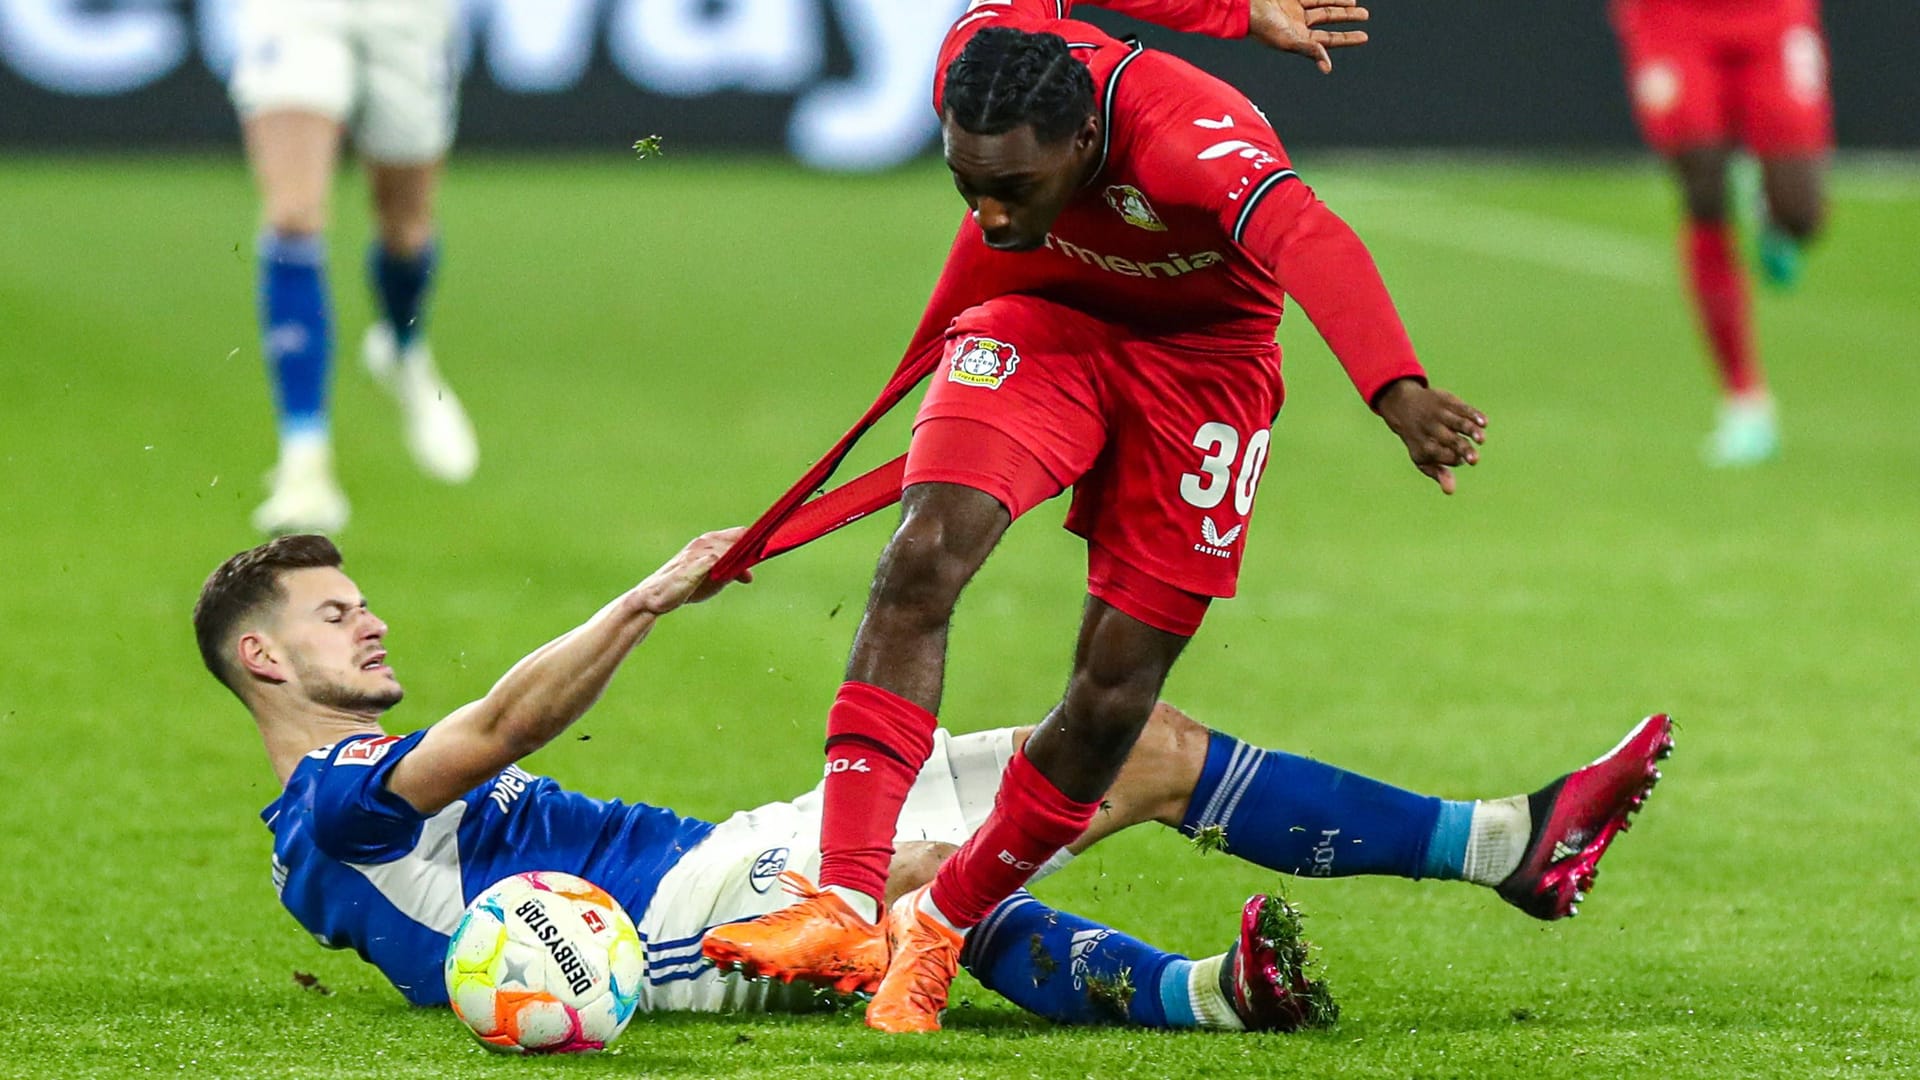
(544, 963)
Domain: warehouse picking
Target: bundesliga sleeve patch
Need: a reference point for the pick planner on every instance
(367, 751)
(982, 361)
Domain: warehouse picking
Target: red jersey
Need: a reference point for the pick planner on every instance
(1188, 238)
(1195, 226)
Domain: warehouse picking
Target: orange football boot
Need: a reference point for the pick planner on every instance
(925, 956)
(819, 939)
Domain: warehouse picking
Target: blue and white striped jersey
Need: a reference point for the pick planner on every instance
(361, 869)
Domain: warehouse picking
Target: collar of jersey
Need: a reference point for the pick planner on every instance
(1134, 49)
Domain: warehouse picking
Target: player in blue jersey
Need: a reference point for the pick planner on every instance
(380, 841)
(305, 74)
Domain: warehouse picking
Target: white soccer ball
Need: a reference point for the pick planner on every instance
(544, 963)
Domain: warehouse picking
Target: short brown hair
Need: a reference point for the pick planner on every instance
(244, 584)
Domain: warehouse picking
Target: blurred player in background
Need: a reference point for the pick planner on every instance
(306, 70)
(380, 841)
(1709, 77)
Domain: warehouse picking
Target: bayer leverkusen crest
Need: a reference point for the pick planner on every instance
(1132, 206)
(982, 361)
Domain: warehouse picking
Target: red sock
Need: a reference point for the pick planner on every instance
(1720, 297)
(1031, 820)
(876, 743)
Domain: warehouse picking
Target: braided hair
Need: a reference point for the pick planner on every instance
(1005, 78)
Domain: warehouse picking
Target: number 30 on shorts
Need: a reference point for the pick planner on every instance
(1208, 488)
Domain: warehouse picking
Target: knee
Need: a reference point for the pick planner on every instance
(1177, 736)
(1703, 185)
(295, 216)
(918, 577)
(1156, 783)
(921, 572)
(1800, 219)
(406, 227)
(1706, 199)
(403, 206)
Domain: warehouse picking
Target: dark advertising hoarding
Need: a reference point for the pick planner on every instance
(843, 83)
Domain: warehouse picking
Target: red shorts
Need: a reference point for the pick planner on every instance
(1713, 73)
(1162, 445)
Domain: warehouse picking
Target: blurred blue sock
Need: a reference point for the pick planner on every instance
(1075, 971)
(1300, 816)
(400, 283)
(296, 333)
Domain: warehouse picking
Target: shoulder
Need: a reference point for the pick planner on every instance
(370, 752)
(1189, 136)
(365, 750)
(1158, 88)
(355, 816)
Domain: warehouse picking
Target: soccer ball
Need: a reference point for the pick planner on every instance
(544, 963)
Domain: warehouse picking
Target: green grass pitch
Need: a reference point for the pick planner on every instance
(655, 348)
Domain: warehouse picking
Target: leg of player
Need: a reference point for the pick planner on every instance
(880, 729)
(1746, 434)
(1260, 983)
(1073, 970)
(1304, 817)
(400, 268)
(292, 155)
(1047, 798)
(1076, 971)
(879, 734)
(1796, 200)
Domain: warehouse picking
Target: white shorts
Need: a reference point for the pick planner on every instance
(734, 873)
(384, 67)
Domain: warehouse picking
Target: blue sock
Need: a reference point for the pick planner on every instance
(296, 330)
(1070, 970)
(1300, 816)
(400, 284)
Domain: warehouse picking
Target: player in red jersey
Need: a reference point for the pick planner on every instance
(1707, 77)
(1107, 320)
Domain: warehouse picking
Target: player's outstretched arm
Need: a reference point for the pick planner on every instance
(1304, 27)
(1308, 28)
(552, 686)
(1322, 264)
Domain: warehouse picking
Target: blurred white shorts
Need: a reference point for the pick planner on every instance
(734, 873)
(383, 67)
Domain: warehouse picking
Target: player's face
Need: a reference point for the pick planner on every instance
(1016, 184)
(334, 643)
